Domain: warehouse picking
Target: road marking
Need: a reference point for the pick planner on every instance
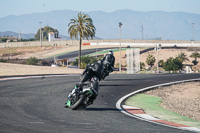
(140, 114)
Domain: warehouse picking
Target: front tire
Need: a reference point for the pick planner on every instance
(80, 102)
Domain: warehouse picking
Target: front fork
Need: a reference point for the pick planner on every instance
(68, 101)
(86, 91)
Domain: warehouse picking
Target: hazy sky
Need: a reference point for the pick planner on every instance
(18, 7)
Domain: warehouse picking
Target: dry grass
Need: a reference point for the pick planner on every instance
(7, 69)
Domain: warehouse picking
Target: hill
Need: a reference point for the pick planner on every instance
(10, 33)
(156, 24)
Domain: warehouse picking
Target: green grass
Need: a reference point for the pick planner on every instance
(114, 50)
(106, 51)
(151, 105)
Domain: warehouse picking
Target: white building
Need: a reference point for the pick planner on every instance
(53, 37)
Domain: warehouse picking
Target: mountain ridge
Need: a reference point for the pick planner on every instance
(156, 24)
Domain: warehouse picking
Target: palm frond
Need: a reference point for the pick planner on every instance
(82, 27)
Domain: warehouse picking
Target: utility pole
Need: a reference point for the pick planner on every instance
(142, 30)
(120, 63)
(40, 35)
(193, 31)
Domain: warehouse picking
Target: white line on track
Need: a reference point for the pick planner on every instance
(29, 77)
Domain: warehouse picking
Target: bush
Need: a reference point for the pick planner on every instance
(32, 61)
(142, 65)
(3, 60)
(100, 57)
(161, 63)
(173, 64)
(84, 61)
(195, 62)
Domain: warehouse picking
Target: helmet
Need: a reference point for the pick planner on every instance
(110, 52)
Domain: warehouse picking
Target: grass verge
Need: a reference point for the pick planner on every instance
(151, 105)
(105, 51)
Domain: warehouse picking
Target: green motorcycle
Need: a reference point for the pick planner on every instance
(81, 96)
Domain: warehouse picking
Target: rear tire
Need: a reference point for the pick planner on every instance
(80, 101)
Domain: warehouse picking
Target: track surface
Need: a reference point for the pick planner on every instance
(36, 105)
(90, 51)
(83, 52)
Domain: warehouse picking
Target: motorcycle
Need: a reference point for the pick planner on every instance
(86, 91)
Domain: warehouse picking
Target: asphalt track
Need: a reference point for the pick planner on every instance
(90, 51)
(36, 105)
(83, 52)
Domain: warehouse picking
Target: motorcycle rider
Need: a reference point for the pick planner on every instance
(98, 70)
(109, 61)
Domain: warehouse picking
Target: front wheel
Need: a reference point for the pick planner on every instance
(80, 102)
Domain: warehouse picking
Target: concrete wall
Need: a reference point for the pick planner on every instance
(108, 42)
(37, 43)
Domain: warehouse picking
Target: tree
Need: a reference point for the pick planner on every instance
(195, 55)
(150, 60)
(173, 64)
(81, 27)
(182, 57)
(45, 31)
(3, 40)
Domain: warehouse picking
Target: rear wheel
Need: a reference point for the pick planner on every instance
(80, 101)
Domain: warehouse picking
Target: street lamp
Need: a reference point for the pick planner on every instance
(40, 34)
(120, 63)
(157, 48)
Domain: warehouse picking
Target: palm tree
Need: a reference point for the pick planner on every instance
(195, 55)
(182, 57)
(81, 27)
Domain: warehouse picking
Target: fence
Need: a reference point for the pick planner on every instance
(37, 43)
(76, 42)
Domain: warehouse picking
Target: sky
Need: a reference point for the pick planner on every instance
(19, 7)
